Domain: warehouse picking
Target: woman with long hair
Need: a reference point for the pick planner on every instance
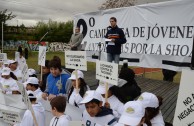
(76, 95)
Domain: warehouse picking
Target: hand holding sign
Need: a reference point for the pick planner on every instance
(107, 72)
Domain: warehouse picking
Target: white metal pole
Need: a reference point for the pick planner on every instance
(2, 38)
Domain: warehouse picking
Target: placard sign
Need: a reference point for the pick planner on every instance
(184, 113)
(3, 57)
(10, 116)
(42, 55)
(25, 73)
(76, 60)
(107, 72)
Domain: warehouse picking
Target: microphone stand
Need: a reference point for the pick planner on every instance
(41, 39)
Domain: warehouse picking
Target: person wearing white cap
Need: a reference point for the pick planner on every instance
(32, 73)
(33, 85)
(39, 113)
(16, 71)
(9, 85)
(113, 101)
(75, 96)
(133, 114)
(6, 63)
(95, 114)
(152, 104)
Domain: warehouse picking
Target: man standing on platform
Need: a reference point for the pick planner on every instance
(114, 39)
(76, 39)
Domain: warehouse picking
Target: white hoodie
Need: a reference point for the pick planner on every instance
(38, 94)
(63, 120)
(39, 112)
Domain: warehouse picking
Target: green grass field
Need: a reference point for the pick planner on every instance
(33, 63)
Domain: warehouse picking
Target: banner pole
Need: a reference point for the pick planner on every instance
(192, 57)
(76, 81)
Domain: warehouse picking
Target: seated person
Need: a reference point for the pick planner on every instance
(39, 113)
(58, 105)
(133, 114)
(56, 80)
(130, 90)
(33, 85)
(8, 82)
(74, 97)
(152, 104)
(95, 114)
(32, 73)
(113, 102)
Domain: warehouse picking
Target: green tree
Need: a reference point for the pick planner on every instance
(5, 17)
(57, 31)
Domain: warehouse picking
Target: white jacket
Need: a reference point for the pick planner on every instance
(158, 120)
(18, 74)
(115, 105)
(102, 120)
(38, 94)
(39, 112)
(9, 85)
(61, 121)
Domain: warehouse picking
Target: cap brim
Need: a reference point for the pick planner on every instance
(72, 77)
(100, 90)
(85, 100)
(129, 120)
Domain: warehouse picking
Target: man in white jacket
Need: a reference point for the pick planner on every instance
(39, 113)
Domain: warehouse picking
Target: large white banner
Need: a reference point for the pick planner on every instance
(158, 35)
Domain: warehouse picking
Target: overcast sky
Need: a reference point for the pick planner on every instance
(29, 12)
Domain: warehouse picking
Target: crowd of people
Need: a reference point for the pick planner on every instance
(125, 104)
(121, 105)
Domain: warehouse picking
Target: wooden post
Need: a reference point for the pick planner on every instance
(106, 94)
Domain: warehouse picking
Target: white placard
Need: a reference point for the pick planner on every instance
(3, 57)
(10, 117)
(25, 97)
(17, 56)
(184, 113)
(76, 60)
(107, 72)
(42, 55)
(25, 74)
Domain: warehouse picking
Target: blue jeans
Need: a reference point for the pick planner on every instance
(113, 57)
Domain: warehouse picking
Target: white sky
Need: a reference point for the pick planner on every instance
(29, 12)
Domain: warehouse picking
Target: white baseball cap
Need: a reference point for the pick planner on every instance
(149, 100)
(32, 80)
(132, 114)
(12, 61)
(79, 75)
(31, 71)
(6, 71)
(31, 92)
(6, 62)
(89, 95)
(101, 89)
